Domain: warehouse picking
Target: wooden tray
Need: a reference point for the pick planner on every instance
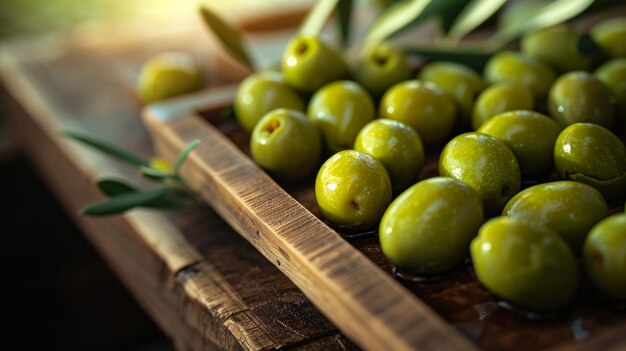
(350, 281)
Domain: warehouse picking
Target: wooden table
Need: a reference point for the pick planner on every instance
(202, 283)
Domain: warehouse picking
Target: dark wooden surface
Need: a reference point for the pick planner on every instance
(202, 283)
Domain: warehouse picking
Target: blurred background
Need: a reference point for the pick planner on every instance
(56, 287)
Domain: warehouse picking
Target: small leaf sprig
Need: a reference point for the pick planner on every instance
(172, 193)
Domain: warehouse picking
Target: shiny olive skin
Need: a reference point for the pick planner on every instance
(484, 163)
(167, 75)
(498, 98)
(556, 46)
(459, 81)
(613, 74)
(309, 63)
(524, 263)
(427, 229)
(353, 190)
(569, 208)
(379, 67)
(531, 137)
(286, 144)
(422, 106)
(591, 154)
(604, 255)
(340, 109)
(514, 67)
(611, 36)
(580, 97)
(397, 146)
(261, 93)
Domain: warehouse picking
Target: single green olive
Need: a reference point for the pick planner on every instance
(580, 97)
(261, 93)
(558, 47)
(459, 81)
(514, 67)
(308, 63)
(340, 109)
(613, 74)
(353, 190)
(167, 75)
(501, 97)
(531, 137)
(379, 67)
(286, 144)
(591, 154)
(611, 36)
(569, 208)
(397, 146)
(484, 163)
(427, 229)
(604, 256)
(525, 263)
(422, 106)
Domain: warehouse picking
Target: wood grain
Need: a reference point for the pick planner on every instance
(204, 286)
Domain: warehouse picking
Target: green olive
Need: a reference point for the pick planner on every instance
(531, 137)
(613, 74)
(261, 93)
(524, 263)
(604, 256)
(611, 36)
(167, 75)
(353, 190)
(309, 63)
(569, 208)
(484, 163)
(459, 81)
(591, 154)
(423, 107)
(380, 67)
(514, 67)
(556, 46)
(580, 97)
(340, 109)
(501, 97)
(428, 228)
(286, 143)
(397, 146)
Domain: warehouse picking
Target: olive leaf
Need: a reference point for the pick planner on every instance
(473, 15)
(472, 57)
(122, 202)
(317, 17)
(550, 14)
(403, 15)
(180, 160)
(153, 173)
(106, 148)
(229, 36)
(344, 17)
(112, 187)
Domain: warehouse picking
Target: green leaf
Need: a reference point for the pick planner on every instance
(588, 47)
(406, 14)
(153, 174)
(344, 17)
(317, 17)
(472, 16)
(178, 164)
(229, 36)
(471, 57)
(107, 148)
(123, 202)
(552, 13)
(170, 202)
(113, 187)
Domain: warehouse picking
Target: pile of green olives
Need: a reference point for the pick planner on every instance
(528, 154)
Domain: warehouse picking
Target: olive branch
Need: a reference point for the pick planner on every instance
(173, 192)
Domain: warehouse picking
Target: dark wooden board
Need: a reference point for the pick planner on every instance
(204, 285)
